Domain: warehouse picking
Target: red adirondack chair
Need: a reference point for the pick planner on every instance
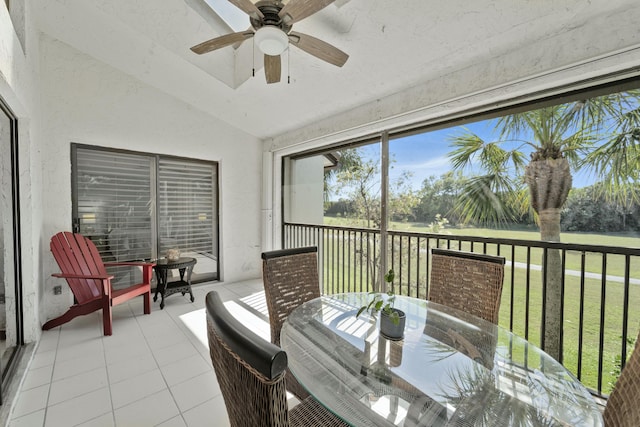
(82, 267)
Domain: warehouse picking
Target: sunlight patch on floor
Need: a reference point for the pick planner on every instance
(249, 319)
(196, 321)
(258, 302)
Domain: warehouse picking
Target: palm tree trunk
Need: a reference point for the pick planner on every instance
(550, 231)
(549, 183)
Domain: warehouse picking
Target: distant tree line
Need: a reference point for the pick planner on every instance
(586, 209)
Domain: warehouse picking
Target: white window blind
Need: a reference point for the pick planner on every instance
(114, 206)
(186, 203)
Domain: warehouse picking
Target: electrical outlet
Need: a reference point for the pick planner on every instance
(57, 290)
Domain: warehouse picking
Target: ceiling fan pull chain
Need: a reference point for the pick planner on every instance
(288, 66)
(253, 58)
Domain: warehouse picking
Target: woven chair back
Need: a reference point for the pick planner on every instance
(290, 279)
(623, 406)
(250, 370)
(467, 281)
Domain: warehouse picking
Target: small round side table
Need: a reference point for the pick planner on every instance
(183, 285)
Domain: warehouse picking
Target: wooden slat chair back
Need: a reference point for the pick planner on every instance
(85, 272)
(290, 278)
(467, 281)
(623, 406)
(250, 373)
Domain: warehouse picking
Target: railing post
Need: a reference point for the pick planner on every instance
(384, 220)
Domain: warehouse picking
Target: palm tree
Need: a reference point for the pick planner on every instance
(601, 133)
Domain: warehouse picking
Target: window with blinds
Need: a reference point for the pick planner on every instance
(135, 206)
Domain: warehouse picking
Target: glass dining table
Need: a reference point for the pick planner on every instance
(450, 369)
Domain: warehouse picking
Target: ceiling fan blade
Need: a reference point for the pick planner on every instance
(248, 7)
(272, 68)
(222, 41)
(318, 48)
(297, 10)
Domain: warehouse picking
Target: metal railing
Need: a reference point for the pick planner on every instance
(600, 286)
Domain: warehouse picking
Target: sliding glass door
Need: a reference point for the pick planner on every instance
(11, 333)
(136, 206)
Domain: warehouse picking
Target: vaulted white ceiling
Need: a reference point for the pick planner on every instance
(393, 46)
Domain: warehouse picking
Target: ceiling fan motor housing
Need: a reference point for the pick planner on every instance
(270, 10)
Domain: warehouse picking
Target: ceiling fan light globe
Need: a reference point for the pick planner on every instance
(271, 40)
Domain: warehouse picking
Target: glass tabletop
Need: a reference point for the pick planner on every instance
(450, 369)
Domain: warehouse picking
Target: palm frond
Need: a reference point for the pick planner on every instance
(598, 112)
(617, 161)
(479, 202)
(467, 145)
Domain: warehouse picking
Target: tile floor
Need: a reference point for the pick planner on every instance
(154, 370)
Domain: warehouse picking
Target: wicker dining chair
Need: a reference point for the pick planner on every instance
(467, 281)
(290, 279)
(623, 406)
(251, 373)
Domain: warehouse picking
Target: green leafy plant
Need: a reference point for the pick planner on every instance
(379, 304)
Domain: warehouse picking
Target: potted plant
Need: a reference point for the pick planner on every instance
(392, 320)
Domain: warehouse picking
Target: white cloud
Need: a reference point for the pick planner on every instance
(438, 163)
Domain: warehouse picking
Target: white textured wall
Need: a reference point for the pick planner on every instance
(18, 88)
(306, 191)
(86, 101)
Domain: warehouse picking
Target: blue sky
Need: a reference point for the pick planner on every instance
(427, 154)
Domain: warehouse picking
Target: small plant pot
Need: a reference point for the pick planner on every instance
(391, 330)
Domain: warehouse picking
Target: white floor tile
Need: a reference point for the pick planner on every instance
(80, 409)
(179, 351)
(124, 352)
(105, 420)
(37, 377)
(44, 358)
(136, 388)
(154, 370)
(130, 368)
(91, 348)
(82, 328)
(79, 365)
(211, 413)
(195, 391)
(77, 385)
(177, 303)
(174, 422)
(183, 370)
(31, 400)
(49, 340)
(167, 338)
(34, 419)
(155, 323)
(150, 411)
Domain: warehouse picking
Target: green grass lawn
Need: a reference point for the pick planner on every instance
(347, 274)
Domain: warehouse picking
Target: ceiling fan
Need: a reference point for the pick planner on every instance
(271, 23)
